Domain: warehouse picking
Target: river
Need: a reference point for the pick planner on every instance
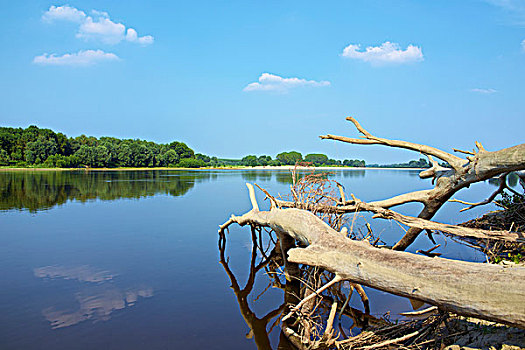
(130, 259)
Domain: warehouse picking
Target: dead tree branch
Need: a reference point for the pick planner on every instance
(491, 292)
(502, 179)
(414, 222)
(479, 166)
(369, 139)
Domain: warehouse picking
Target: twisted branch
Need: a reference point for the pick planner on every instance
(369, 139)
(479, 166)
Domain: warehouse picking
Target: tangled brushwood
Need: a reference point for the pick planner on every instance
(510, 217)
(326, 258)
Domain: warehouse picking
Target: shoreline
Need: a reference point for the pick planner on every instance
(281, 167)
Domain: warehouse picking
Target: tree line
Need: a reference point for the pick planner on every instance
(38, 147)
(294, 157)
(34, 146)
(421, 163)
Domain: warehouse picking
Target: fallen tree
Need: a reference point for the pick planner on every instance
(315, 217)
(419, 223)
(491, 292)
(478, 166)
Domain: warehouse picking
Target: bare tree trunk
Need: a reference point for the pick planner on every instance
(427, 213)
(418, 223)
(492, 292)
(479, 166)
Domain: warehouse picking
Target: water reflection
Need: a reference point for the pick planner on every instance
(258, 325)
(257, 175)
(269, 267)
(84, 273)
(354, 173)
(161, 241)
(259, 331)
(512, 180)
(96, 300)
(40, 190)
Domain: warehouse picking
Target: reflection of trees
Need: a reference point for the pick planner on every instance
(512, 180)
(293, 292)
(257, 175)
(353, 173)
(285, 177)
(40, 190)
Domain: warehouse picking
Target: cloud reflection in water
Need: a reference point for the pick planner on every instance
(96, 301)
(84, 273)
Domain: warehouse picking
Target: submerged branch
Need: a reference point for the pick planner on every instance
(491, 292)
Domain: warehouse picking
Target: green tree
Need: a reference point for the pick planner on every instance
(4, 157)
(34, 146)
(354, 163)
(182, 149)
(264, 160)
(316, 158)
(191, 163)
(38, 151)
(421, 163)
(170, 158)
(203, 157)
(93, 156)
(61, 161)
(124, 155)
(289, 158)
(250, 161)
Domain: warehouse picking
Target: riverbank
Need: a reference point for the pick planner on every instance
(281, 167)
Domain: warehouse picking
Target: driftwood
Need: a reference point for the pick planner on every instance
(491, 292)
(479, 166)
(410, 221)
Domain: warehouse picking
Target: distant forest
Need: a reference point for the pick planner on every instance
(36, 147)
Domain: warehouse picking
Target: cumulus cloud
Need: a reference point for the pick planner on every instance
(81, 58)
(484, 91)
(387, 53)
(132, 36)
(98, 26)
(63, 13)
(272, 82)
(102, 29)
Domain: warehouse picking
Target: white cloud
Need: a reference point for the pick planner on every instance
(272, 82)
(102, 29)
(98, 26)
(523, 45)
(484, 91)
(387, 53)
(63, 13)
(131, 35)
(81, 58)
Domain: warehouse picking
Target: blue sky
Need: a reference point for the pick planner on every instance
(232, 78)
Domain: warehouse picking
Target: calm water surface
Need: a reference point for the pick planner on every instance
(129, 260)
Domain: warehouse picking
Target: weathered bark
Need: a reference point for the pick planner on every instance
(411, 221)
(491, 292)
(480, 166)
